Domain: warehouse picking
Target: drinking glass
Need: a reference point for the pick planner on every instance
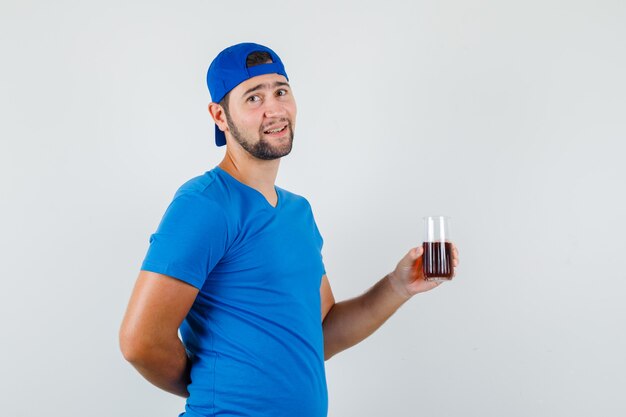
(437, 258)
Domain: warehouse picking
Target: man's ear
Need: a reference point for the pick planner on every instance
(219, 117)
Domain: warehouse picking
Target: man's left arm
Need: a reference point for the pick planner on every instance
(348, 322)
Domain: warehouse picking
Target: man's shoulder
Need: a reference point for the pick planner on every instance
(292, 196)
(297, 200)
(201, 184)
(203, 192)
(208, 187)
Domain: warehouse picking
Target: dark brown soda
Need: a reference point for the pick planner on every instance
(437, 261)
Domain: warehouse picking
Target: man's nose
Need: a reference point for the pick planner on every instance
(274, 108)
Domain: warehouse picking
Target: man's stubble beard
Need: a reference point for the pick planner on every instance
(261, 149)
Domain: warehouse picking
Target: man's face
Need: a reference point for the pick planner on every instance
(261, 116)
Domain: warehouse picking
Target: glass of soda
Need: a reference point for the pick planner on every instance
(437, 258)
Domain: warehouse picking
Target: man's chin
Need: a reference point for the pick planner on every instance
(269, 154)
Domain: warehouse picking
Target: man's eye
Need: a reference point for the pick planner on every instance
(281, 92)
(253, 99)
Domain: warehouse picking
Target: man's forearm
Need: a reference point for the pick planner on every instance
(349, 322)
(165, 365)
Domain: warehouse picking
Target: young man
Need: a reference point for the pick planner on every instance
(236, 265)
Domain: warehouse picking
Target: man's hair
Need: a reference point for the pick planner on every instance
(253, 59)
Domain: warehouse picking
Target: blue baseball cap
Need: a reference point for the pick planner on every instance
(229, 69)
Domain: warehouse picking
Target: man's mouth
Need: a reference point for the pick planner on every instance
(275, 130)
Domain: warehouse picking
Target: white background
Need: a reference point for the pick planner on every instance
(509, 117)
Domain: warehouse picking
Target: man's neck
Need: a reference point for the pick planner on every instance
(255, 173)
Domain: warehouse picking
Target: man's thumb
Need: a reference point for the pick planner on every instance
(411, 256)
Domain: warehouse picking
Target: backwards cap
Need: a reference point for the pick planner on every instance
(229, 69)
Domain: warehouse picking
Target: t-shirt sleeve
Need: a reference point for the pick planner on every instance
(190, 240)
(319, 239)
(321, 243)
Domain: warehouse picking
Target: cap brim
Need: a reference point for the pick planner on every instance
(220, 138)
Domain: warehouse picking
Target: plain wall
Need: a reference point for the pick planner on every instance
(510, 117)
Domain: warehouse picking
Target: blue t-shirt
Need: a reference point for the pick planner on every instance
(254, 332)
